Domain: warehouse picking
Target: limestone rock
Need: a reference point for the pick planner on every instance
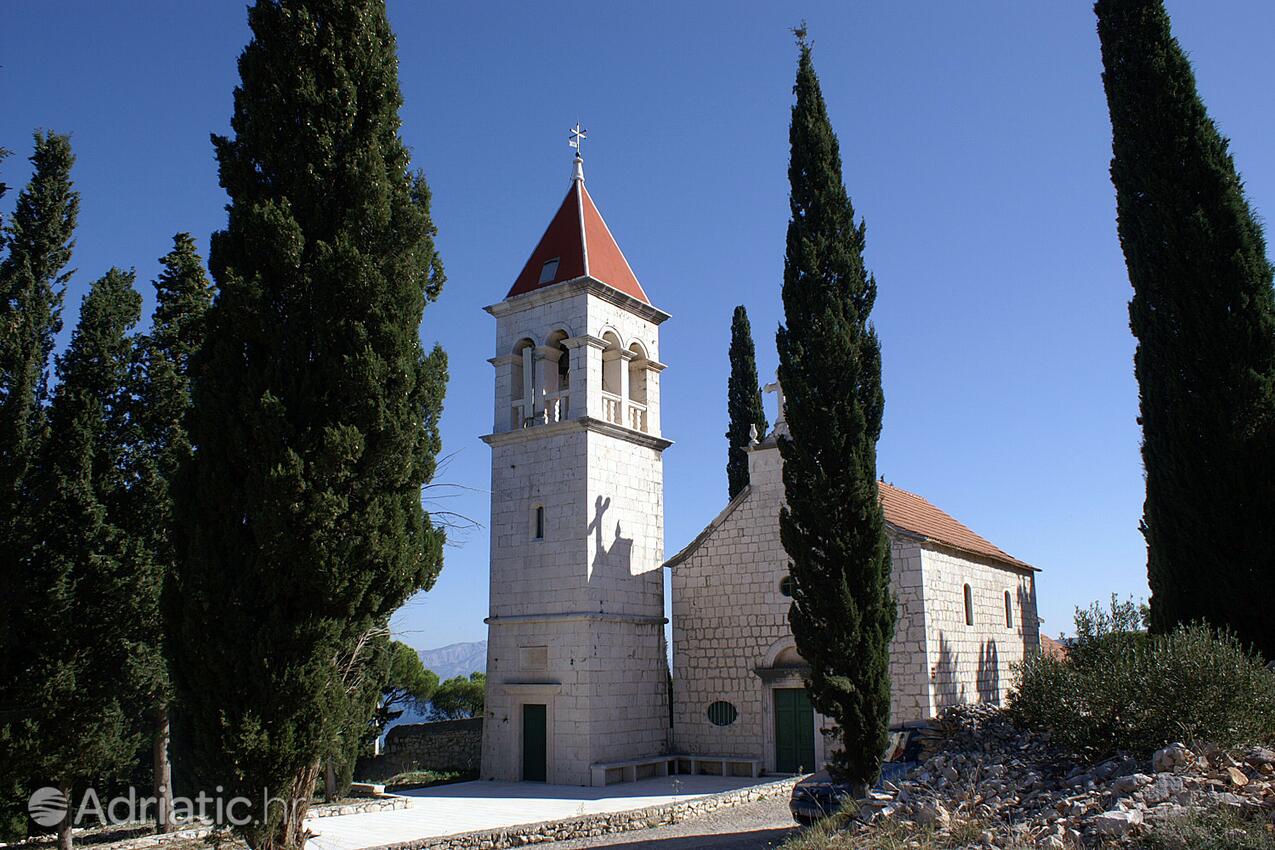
(1171, 758)
(1237, 776)
(1117, 822)
(931, 813)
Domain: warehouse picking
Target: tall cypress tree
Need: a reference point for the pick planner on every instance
(832, 526)
(32, 284)
(743, 401)
(82, 574)
(315, 421)
(37, 239)
(1204, 317)
(161, 449)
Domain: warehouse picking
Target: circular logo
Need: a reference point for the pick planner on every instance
(47, 806)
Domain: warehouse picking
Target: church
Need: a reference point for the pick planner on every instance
(579, 690)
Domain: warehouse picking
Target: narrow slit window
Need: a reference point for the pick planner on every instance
(540, 522)
(1009, 612)
(969, 606)
(549, 270)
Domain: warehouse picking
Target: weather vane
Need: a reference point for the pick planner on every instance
(576, 139)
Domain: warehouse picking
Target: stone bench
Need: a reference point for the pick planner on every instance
(717, 765)
(631, 770)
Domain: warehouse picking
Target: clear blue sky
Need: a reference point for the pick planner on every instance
(975, 141)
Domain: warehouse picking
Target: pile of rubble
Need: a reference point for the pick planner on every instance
(977, 767)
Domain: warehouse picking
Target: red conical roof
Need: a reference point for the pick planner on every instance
(580, 241)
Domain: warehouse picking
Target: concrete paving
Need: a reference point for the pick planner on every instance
(473, 806)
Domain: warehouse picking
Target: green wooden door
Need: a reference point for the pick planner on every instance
(535, 748)
(794, 731)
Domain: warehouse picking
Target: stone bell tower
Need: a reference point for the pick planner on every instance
(576, 663)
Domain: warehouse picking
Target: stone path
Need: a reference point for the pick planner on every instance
(762, 825)
(472, 806)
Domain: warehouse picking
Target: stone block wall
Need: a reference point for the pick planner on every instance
(730, 619)
(577, 616)
(444, 745)
(973, 663)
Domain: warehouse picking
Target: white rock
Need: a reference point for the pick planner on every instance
(1116, 822)
(931, 813)
(1129, 784)
(1171, 757)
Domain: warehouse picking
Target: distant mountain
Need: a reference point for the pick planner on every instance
(456, 659)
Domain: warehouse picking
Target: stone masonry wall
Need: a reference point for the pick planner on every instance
(444, 745)
(730, 618)
(973, 663)
(577, 614)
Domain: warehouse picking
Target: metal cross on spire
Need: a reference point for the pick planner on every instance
(576, 139)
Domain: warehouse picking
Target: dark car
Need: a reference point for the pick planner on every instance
(819, 795)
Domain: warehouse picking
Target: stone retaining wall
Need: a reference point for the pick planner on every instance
(318, 810)
(602, 823)
(358, 807)
(443, 745)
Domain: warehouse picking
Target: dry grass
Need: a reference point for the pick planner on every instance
(1215, 830)
(839, 833)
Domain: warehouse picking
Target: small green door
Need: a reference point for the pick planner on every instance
(535, 748)
(794, 731)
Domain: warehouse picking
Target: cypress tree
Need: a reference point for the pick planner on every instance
(37, 240)
(1203, 314)
(743, 401)
(315, 420)
(161, 376)
(832, 526)
(80, 582)
(32, 284)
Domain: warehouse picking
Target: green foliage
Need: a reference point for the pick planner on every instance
(32, 283)
(406, 684)
(315, 420)
(1139, 695)
(422, 779)
(36, 241)
(460, 697)
(160, 446)
(1118, 629)
(833, 528)
(80, 683)
(743, 401)
(1216, 829)
(1203, 313)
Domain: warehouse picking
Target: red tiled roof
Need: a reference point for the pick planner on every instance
(910, 512)
(1052, 648)
(579, 239)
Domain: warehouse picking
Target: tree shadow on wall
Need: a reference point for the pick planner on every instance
(943, 677)
(1029, 626)
(614, 562)
(989, 674)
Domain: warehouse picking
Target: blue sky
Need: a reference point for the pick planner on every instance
(975, 141)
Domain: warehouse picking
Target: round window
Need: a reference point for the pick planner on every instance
(722, 713)
(785, 585)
